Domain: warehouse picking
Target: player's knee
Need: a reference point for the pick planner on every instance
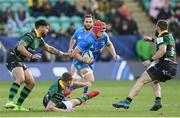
(20, 80)
(92, 81)
(31, 84)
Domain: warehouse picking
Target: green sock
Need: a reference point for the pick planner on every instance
(24, 93)
(83, 99)
(13, 91)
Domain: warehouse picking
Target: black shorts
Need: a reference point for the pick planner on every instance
(58, 102)
(13, 62)
(163, 71)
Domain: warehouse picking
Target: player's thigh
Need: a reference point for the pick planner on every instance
(145, 78)
(87, 74)
(29, 80)
(18, 74)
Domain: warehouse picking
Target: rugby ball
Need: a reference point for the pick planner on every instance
(87, 54)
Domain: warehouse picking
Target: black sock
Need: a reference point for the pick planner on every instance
(129, 99)
(13, 91)
(24, 93)
(158, 98)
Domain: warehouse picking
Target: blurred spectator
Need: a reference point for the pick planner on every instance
(155, 5)
(110, 16)
(71, 29)
(2, 21)
(109, 30)
(123, 11)
(9, 13)
(21, 17)
(164, 12)
(36, 7)
(144, 49)
(3, 49)
(116, 25)
(103, 6)
(174, 28)
(177, 11)
(132, 26)
(47, 8)
(124, 28)
(61, 8)
(83, 6)
(61, 32)
(11, 26)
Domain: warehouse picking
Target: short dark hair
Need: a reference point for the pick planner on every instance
(41, 22)
(88, 16)
(162, 24)
(67, 76)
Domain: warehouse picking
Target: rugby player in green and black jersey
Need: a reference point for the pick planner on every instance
(22, 52)
(56, 97)
(162, 66)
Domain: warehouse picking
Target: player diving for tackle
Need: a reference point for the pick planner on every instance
(56, 97)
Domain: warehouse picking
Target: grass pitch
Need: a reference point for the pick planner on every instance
(101, 106)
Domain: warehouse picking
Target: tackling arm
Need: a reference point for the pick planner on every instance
(52, 50)
(50, 106)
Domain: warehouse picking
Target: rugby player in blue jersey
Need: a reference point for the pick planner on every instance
(76, 38)
(93, 41)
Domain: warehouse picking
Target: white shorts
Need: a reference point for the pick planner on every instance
(68, 105)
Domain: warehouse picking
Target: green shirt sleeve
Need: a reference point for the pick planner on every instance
(26, 40)
(161, 41)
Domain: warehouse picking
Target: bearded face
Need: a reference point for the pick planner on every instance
(88, 23)
(44, 31)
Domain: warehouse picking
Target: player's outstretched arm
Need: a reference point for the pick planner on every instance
(50, 107)
(55, 51)
(148, 38)
(113, 52)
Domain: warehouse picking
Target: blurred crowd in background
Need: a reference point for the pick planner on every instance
(64, 16)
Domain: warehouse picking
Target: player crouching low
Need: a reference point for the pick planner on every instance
(56, 98)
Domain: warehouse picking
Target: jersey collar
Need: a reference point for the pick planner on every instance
(62, 84)
(37, 33)
(164, 31)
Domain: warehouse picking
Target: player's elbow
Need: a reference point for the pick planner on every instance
(50, 107)
(20, 48)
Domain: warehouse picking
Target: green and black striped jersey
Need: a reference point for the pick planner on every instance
(31, 41)
(167, 39)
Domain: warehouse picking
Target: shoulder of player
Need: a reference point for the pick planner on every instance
(80, 29)
(106, 35)
(164, 37)
(28, 35)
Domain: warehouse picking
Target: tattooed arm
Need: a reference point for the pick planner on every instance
(53, 50)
